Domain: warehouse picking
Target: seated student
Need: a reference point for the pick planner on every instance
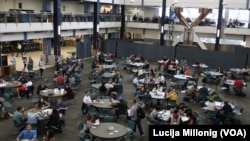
(61, 106)
(40, 87)
(175, 118)
(238, 84)
(192, 92)
(103, 89)
(55, 122)
(27, 86)
(32, 117)
(122, 108)
(27, 134)
(154, 114)
(18, 117)
(192, 118)
(42, 104)
(69, 92)
(226, 110)
(215, 97)
(211, 106)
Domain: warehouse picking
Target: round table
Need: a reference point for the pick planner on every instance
(215, 73)
(49, 93)
(10, 84)
(219, 104)
(102, 103)
(182, 76)
(102, 131)
(157, 95)
(41, 114)
(165, 115)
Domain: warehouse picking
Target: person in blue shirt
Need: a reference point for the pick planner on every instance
(18, 117)
(27, 134)
(61, 106)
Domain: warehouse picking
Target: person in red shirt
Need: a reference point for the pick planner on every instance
(60, 79)
(238, 83)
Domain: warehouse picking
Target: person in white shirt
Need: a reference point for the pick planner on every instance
(24, 87)
(13, 61)
(136, 81)
(161, 78)
(41, 66)
(87, 99)
(211, 106)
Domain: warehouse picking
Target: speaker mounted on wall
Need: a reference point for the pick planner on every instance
(20, 5)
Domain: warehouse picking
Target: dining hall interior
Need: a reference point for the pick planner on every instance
(138, 50)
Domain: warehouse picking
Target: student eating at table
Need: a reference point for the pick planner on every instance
(42, 104)
(238, 84)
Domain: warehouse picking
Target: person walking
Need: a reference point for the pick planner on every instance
(13, 61)
(41, 66)
(25, 61)
(30, 64)
(19, 49)
(133, 116)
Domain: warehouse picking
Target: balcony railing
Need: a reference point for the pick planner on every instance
(26, 17)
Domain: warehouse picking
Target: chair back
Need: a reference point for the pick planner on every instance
(80, 125)
(131, 124)
(241, 110)
(108, 119)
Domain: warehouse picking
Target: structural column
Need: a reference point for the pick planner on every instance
(218, 31)
(57, 27)
(163, 22)
(46, 5)
(96, 24)
(122, 29)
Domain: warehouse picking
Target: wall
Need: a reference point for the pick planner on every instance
(26, 4)
(213, 59)
(70, 6)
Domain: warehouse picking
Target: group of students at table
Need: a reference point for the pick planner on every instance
(30, 119)
(175, 115)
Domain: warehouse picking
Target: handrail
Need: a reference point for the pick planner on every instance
(41, 17)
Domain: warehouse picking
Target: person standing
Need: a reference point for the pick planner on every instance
(19, 49)
(30, 64)
(41, 66)
(25, 61)
(13, 61)
(133, 116)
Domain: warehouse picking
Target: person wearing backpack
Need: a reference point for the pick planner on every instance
(134, 116)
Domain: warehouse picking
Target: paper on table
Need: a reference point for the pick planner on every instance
(116, 131)
(111, 133)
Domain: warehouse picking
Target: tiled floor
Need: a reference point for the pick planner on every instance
(36, 55)
(73, 113)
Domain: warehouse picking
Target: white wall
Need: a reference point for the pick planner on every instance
(150, 12)
(72, 7)
(36, 5)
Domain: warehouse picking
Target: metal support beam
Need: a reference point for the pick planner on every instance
(122, 29)
(96, 24)
(163, 21)
(218, 31)
(57, 27)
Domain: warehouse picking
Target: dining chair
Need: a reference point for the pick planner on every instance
(108, 119)
(131, 126)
